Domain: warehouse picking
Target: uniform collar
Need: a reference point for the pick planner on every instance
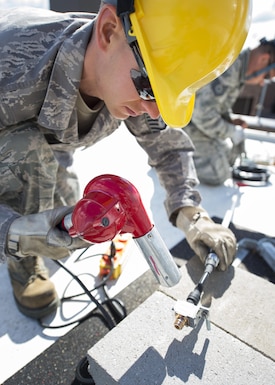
(57, 111)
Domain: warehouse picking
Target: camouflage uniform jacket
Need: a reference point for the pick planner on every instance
(41, 61)
(214, 103)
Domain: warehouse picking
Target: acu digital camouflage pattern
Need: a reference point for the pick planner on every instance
(41, 59)
(210, 128)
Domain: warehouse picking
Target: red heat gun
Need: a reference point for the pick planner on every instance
(112, 205)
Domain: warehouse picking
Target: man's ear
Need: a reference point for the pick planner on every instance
(108, 26)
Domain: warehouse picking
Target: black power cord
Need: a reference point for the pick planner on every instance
(82, 375)
(115, 307)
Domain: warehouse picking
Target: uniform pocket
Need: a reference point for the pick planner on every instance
(10, 184)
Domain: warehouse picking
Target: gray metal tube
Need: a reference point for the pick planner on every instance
(159, 258)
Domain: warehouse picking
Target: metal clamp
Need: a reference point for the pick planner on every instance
(188, 314)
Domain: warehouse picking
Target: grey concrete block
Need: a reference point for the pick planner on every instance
(146, 349)
(240, 303)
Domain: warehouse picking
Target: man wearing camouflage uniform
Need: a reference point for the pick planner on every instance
(65, 83)
(218, 140)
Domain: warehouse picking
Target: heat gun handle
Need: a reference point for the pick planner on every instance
(159, 258)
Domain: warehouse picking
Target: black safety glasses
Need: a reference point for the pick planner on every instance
(140, 77)
(142, 85)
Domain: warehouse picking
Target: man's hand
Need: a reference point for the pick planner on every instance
(204, 235)
(240, 122)
(39, 234)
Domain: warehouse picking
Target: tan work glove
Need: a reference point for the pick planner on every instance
(38, 234)
(204, 235)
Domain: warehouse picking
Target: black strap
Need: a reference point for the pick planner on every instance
(125, 6)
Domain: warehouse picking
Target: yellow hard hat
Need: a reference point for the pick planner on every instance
(184, 45)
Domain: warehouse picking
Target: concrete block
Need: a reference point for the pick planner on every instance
(146, 349)
(240, 303)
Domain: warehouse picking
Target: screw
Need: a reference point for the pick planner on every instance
(105, 221)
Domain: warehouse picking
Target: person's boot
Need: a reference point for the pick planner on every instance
(33, 291)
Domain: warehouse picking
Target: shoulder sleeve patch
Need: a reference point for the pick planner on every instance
(217, 87)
